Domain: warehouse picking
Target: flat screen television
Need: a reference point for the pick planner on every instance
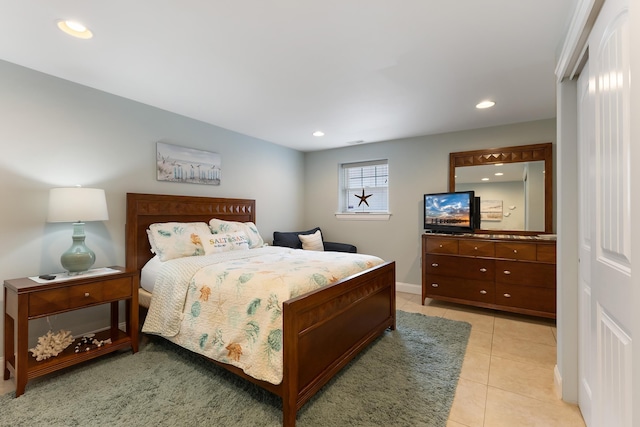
(450, 212)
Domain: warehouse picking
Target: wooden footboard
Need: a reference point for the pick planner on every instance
(325, 329)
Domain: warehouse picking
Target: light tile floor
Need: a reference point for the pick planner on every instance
(507, 373)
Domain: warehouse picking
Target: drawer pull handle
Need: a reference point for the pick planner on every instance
(435, 264)
(86, 294)
(434, 285)
(440, 245)
(515, 251)
(483, 292)
(483, 270)
(507, 295)
(507, 272)
(475, 248)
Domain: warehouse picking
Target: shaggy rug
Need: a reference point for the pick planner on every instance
(407, 377)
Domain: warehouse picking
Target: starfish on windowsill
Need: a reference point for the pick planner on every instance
(363, 198)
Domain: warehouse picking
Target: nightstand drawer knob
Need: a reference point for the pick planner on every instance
(435, 264)
(434, 285)
(475, 248)
(507, 295)
(515, 251)
(507, 272)
(483, 292)
(86, 294)
(483, 270)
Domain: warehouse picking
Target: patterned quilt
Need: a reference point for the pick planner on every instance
(228, 306)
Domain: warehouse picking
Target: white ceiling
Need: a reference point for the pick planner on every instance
(359, 70)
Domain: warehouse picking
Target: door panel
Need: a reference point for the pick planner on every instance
(586, 162)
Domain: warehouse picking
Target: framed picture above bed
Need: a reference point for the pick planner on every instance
(181, 164)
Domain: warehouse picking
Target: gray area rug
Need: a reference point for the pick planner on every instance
(407, 377)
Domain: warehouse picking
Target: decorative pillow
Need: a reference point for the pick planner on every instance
(290, 239)
(223, 242)
(218, 226)
(171, 240)
(312, 242)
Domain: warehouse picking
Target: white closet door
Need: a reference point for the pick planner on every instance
(606, 291)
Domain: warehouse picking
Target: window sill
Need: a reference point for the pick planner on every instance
(363, 216)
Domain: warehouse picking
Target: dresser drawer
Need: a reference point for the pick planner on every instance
(469, 268)
(474, 290)
(477, 248)
(442, 246)
(71, 297)
(516, 250)
(526, 273)
(546, 253)
(530, 298)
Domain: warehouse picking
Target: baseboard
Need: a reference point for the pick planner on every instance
(557, 382)
(409, 288)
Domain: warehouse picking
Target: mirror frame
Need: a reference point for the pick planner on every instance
(516, 154)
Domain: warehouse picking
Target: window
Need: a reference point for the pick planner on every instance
(365, 187)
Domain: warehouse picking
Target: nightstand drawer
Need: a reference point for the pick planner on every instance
(70, 297)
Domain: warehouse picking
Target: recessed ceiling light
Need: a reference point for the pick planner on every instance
(499, 164)
(485, 104)
(75, 29)
(484, 179)
(318, 133)
(498, 174)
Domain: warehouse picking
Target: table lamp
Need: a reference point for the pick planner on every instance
(77, 205)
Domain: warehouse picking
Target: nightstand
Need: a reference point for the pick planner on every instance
(26, 299)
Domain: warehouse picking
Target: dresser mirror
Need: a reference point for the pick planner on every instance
(515, 186)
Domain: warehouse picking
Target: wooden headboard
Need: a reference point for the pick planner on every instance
(146, 209)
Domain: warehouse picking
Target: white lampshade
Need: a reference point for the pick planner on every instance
(77, 204)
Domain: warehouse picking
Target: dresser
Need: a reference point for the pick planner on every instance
(502, 272)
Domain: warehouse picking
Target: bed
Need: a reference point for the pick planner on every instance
(316, 343)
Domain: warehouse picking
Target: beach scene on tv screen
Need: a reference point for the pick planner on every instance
(447, 209)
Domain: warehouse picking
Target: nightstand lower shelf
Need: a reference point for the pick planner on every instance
(69, 358)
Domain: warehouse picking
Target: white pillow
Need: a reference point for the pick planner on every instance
(312, 242)
(218, 226)
(171, 240)
(215, 243)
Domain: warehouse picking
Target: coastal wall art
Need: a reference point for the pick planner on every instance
(182, 164)
(491, 210)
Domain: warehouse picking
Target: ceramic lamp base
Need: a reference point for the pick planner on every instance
(78, 258)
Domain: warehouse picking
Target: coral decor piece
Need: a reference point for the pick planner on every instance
(51, 344)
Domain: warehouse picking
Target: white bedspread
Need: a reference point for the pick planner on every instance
(228, 306)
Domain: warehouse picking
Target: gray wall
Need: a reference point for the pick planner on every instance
(56, 133)
(416, 166)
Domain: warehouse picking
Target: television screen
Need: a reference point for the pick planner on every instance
(449, 212)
